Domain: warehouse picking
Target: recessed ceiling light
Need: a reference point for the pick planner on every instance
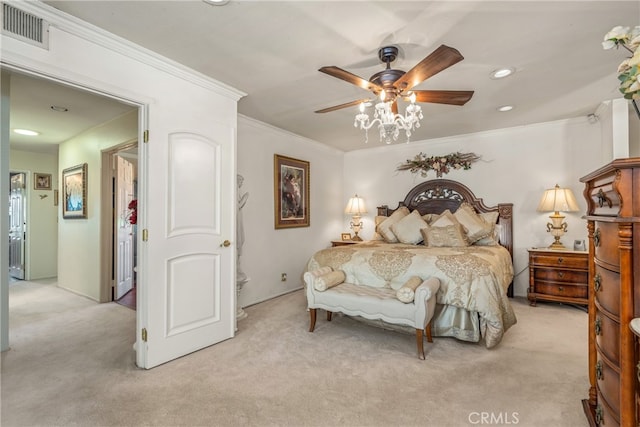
(502, 73)
(505, 108)
(26, 132)
(216, 2)
(59, 108)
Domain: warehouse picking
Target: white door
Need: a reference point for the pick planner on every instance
(124, 228)
(17, 224)
(187, 285)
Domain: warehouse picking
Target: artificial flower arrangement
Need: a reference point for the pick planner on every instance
(132, 215)
(628, 70)
(439, 164)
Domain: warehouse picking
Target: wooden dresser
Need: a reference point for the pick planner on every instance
(613, 221)
(560, 276)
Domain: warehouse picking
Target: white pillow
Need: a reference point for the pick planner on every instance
(385, 226)
(407, 230)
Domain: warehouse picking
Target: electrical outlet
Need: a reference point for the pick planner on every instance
(283, 277)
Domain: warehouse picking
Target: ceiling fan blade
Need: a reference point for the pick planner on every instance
(338, 107)
(339, 73)
(453, 97)
(440, 59)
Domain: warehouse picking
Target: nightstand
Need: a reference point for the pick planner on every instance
(343, 242)
(558, 275)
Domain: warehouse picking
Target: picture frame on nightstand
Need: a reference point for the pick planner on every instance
(345, 236)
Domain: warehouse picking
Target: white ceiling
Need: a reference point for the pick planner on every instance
(272, 50)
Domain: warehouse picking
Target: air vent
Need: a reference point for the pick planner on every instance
(24, 26)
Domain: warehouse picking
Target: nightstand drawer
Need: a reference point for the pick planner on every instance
(562, 260)
(562, 290)
(558, 275)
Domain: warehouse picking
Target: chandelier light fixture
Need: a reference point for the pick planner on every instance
(389, 122)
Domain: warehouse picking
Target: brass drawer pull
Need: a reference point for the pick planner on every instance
(596, 237)
(597, 282)
(560, 260)
(561, 274)
(598, 326)
(599, 370)
(602, 197)
(599, 415)
(561, 288)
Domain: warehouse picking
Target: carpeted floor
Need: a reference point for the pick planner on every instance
(71, 363)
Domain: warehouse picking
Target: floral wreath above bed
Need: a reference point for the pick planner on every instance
(440, 164)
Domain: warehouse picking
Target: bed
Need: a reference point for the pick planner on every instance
(476, 278)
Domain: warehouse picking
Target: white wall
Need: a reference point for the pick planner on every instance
(42, 221)
(268, 252)
(517, 165)
(79, 239)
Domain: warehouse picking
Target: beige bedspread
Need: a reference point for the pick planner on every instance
(473, 278)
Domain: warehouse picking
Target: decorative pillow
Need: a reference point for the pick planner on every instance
(378, 221)
(476, 226)
(385, 226)
(490, 217)
(493, 239)
(447, 236)
(429, 217)
(407, 230)
(406, 293)
(445, 218)
(329, 280)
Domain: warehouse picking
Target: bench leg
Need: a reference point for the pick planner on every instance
(329, 313)
(312, 319)
(419, 333)
(427, 331)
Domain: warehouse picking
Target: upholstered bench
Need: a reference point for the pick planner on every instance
(327, 290)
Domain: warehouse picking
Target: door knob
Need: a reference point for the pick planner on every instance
(226, 244)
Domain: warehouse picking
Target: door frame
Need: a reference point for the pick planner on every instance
(106, 214)
(27, 226)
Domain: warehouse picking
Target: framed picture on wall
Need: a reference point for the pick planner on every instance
(74, 192)
(291, 185)
(41, 181)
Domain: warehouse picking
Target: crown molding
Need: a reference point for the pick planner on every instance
(93, 34)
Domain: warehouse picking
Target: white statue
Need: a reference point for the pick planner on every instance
(241, 277)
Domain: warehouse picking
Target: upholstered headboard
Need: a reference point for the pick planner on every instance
(438, 195)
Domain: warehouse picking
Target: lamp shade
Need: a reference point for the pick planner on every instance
(558, 200)
(355, 206)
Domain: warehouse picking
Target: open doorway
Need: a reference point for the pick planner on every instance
(120, 214)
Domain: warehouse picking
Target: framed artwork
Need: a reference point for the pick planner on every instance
(41, 181)
(74, 192)
(291, 185)
(346, 236)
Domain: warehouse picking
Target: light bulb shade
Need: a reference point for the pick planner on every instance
(355, 206)
(558, 200)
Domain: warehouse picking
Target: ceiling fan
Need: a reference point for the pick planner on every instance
(391, 84)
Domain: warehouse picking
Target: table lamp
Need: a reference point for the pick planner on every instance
(356, 208)
(557, 200)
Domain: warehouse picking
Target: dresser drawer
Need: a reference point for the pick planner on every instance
(562, 290)
(605, 415)
(580, 262)
(607, 336)
(606, 200)
(607, 292)
(606, 243)
(608, 384)
(561, 275)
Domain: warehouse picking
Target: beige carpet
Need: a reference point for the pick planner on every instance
(71, 364)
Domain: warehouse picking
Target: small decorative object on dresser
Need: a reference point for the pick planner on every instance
(613, 224)
(558, 275)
